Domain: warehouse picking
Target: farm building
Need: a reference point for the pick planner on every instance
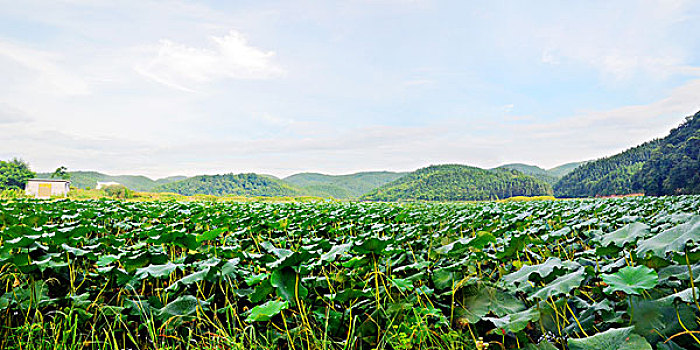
(47, 188)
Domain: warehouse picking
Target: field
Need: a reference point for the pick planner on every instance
(609, 274)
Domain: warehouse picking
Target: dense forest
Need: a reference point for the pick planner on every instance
(231, 184)
(606, 176)
(453, 182)
(660, 167)
(341, 186)
(674, 166)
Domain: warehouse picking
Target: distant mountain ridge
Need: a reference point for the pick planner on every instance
(342, 186)
(550, 176)
(249, 184)
(454, 182)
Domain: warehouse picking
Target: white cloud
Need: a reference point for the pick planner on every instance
(230, 56)
(619, 39)
(47, 74)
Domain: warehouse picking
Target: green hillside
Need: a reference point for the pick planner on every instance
(454, 182)
(674, 166)
(253, 185)
(531, 170)
(660, 167)
(89, 179)
(342, 186)
(606, 176)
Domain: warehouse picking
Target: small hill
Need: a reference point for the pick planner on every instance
(531, 170)
(89, 179)
(342, 186)
(666, 166)
(169, 179)
(550, 176)
(454, 182)
(253, 185)
(561, 170)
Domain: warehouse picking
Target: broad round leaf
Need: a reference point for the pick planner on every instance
(631, 280)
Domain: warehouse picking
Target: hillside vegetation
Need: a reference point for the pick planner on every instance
(659, 167)
(231, 184)
(606, 176)
(89, 179)
(674, 166)
(454, 182)
(341, 186)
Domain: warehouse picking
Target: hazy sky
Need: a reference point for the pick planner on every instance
(184, 87)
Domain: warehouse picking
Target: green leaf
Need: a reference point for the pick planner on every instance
(402, 285)
(265, 311)
(285, 281)
(185, 305)
(672, 240)
(631, 280)
(521, 277)
(209, 235)
(372, 245)
(685, 295)
(612, 339)
(157, 271)
(336, 251)
(515, 322)
(489, 300)
(443, 279)
(481, 239)
(562, 285)
(629, 233)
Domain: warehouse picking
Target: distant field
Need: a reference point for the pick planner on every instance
(540, 274)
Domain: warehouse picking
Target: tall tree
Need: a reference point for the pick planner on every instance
(61, 173)
(14, 174)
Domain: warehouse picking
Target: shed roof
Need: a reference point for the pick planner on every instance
(48, 180)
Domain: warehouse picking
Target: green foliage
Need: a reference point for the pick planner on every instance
(459, 183)
(231, 184)
(61, 173)
(14, 174)
(106, 274)
(674, 167)
(117, 191)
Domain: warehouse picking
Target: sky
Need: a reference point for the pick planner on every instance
(161, 88)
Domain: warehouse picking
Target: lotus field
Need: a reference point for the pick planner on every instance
(572, 274)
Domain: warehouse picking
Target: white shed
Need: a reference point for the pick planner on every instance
(47, 188)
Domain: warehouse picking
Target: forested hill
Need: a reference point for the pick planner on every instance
(341, 186)
(253, 185)
(453, 182)
(674, 166)
(89, 179)
(660, 167)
